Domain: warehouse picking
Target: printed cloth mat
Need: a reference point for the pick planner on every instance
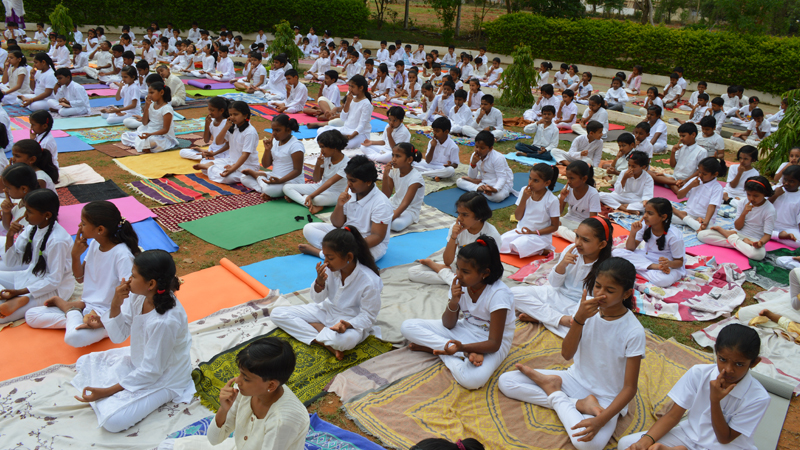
(430, 218)
(430, 404)
(184, 188)
(17, 111)
(726, 215)
(761, 281)
(768, 267)
(250, 99)
(708, 290)
(171, 216)
(109, 134)
(387, 105)
(469, 142)
(183, 142)
(65, 198)
(315, 367)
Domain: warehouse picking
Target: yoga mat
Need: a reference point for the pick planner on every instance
(729, 255)
(559, 243)
(614, 126)
(92, 192)
(769, 429)
(94, 86)
(343, 87)
(171, 216)
(71, 144)
(445, 200)
(132, 210)
(17, 111)
(378, 125)
(152, 237)
(101, 92)
(296, 272)
(303, 133)
(664, 192)
(100, 102)
(528, 161)
(76, 123)
(157, 165)
(212, 93)
(205, 84)
(245, 226)
(26, 134)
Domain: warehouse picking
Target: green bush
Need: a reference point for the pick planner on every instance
(764, 63)
(342, 17)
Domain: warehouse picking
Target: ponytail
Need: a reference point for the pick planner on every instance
(349, 240)
(662, 207)
(106, 214)
(581, 169)
(158, 265)
(604, 231)
(548, 173)
(46, 58)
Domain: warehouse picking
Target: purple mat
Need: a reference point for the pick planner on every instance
(210, 84)
(94, 86)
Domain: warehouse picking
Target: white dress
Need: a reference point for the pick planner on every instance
(240, 141)
(214, 130)
(282, 165)
(155, 369)
(153, 143)
(25, 88)
(356, 119)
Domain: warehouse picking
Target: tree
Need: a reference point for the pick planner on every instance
(284, 43)
(446, 11)
(479, 15)
(518, 79)
(380, 11)
(62, 22)
(405, 19)
(774, 149)
(568, 9)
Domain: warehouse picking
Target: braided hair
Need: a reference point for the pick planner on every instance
(42, 201)
(662, 207)
(158, 265)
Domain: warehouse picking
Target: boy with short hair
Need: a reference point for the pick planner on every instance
(488, 119)
(658, 129)
(175, 85)
(701, 89)
(489, 173)
(683, 158)
(641, 133)
(709, 139)
(275, 86)
(672, 92)
(699, 111)
(382, 55)
(545, 136)
(441, 104)
(460, 116)
(588, 148)
(80, 61)
(395, 133)
(757, 130)
(450, 58)
(296, 95)
(442, 154)
(70, 98)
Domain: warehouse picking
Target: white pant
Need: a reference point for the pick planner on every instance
(524, 245)
(469, 186)
(518, 386)
(642, 262)
(67, 112)
(734, 241)
(788, 242)
(7, 281)
(563, 155)
(532, 115)
(191, 153)
(674, 438)
(425, 275)
(567, 229)
(39, 105)
(296, 321)
(781, 306)
(740, 122)
(315, 233)
(52, 317)
(546, 305)
(377, 153)
(615, 200)
(260, 184)
(434, 170)
(472, 132)
(315, 76)
(135, 412)
(689, 221)
(403, 221)
(299, 192)
(434, 335)
(114, 119)
(220, 77)
(578, 129)
(177, 101)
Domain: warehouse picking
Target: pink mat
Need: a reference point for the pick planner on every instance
(206, 81)
(132, 210)
(101, 92)
(26, 134)
(343, 87)
(379, 116)
(268, 113)
(661, 191)
(729, 255)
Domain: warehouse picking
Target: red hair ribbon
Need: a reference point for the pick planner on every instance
(756, 181)
(605, 226)
(460, 445)
(348, 229)
(481, 242)
(161, 291)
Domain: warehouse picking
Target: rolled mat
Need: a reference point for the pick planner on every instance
(101, 92)
(244, 276)
(209, 84)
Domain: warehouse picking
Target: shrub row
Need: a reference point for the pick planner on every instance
(342, 17)
(765, 63)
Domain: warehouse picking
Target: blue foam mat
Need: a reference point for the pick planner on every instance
(105, 101)
(529, 161)
(297, 272)
(151, 237)
(378, 125)
(445, 201)
(72, 144)
(303, 133)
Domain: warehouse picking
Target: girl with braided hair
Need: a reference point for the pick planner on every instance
(42, 248)
(156, 368)
(109, 259)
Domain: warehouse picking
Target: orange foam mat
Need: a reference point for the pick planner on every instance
(202, 293)
(559, 243)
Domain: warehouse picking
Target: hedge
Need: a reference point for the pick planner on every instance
(765, 63)
(342, 17)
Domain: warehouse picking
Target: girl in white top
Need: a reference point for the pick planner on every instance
(474, 95)
(633, 188)
(108, 261)
(124, 385)
(395, 133)
(704, 196)
(213, 132)
(580, 196)
(567, 111)
(241, 148)
(651, 99)
(320, 66)
(794, 160)
(560, 76)
(407, 185)
(573, 78)
(596, 112)
(537, 214)
(128, 92)
(91, 41)
(662, 261)
(28, 151)
(45, 82)
(471, 222)
(157, 132)
(474, 346)
(739, 173)
(255, 73)
(544, 73)
(346, 295)
(284, 153)
(488, 173)
(224, 70)
(329, 177)
(546, 97)
(725, 403)
(607, 343)
(786, 200)
(42, 249)
(634, 80)
(357, 113)
(383, 87)
(494, 75)
(209, 63)
(19, 179)
(261, 411)
(554, 305)
(15, 78)
(616, 98)
(41, 131)
(411, 91)
(754, 225)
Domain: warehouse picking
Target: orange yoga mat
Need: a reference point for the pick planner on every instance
(559, 243)
(202, 293)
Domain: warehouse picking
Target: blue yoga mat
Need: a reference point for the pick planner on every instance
(72, 144)
(296, 272)
(105, 101)
(529, 161)
(303, 133)
(151, 237)
(378, 125)
(445, 201)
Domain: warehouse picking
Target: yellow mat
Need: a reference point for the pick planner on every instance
(157, 165)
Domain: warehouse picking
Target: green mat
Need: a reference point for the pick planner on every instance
(245, 226)
(315, 368)
(768, 268)
(211, 92)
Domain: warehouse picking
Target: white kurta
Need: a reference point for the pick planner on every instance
(153, 143)
(239, 142)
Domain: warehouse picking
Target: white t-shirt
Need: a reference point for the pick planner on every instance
(44, 80)
(399, 134)
(329, 169)
(658, 127)
(787, 211)
(466, 238)
(538, 215)
(673, 247)
(743, 408)
(543, 136)
(567, 111)
(102, 274)
(584, 91)
(446, 152)
(765, 128)
(701, 197)
(373, 208)
(601, 116)
(645, 147)
(711, 143)
(494, 75)
(282, 162)
(738, 191)
(495, 296)
(595, 149)
(580, 210)
(401, 186)
(603, 354)
(759, 221)
(130, 94)
(687, 160)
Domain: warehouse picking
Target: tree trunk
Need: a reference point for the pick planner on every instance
(508, 6)
(650, 12)
(405, 19)
(458, 19)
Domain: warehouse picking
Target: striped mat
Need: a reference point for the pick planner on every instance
(184, 188)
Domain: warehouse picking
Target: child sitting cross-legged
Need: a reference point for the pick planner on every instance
(489, 172)
(633, 188)
(329, 177)
(704, 196)
(587, 148)
(626, 142)
(537, 214)
(545, 136)
(581, 198)
(407, 185)
(441, 157)
(488, 118)
(786, 200)
(683, 158)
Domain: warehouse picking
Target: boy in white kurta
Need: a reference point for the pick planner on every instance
(441, 157)
(395, 133)
(71, 98)
(633, 187)
(487, 118)
(588, 148)
(489, 172)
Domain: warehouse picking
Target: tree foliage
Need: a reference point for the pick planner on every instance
(777, 17)
(519, 78)
(446, 11)
(774, 149)
(284, 43)
(62, 22)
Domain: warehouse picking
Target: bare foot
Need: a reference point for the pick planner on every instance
(338, 354)
(201, 166)
(476, 359)
(658, 446)
(546, 252)
(313, 125)
(250, 172)
(313, 209)
(437, 179)
(146, 150)
(309, 249)
(436, 267)
(590, 406)
(548, 383)
(565, 321)
(57, 302)
(522, 154)
(8, 307)
(526, 318)
(265, 197)
(288, 200)
(419, 348)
